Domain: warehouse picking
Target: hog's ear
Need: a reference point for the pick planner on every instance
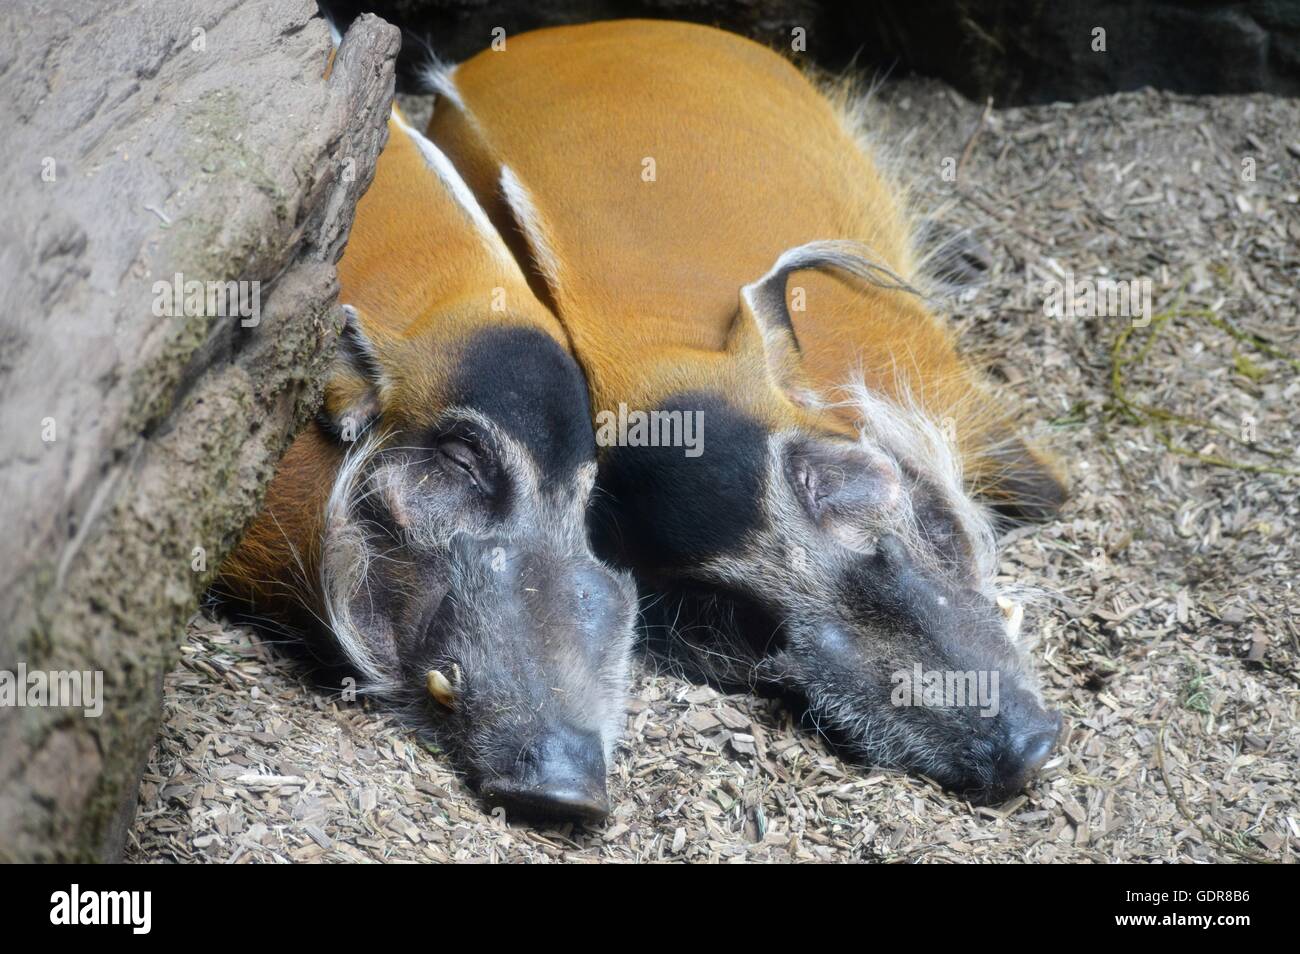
(764, 333)
(352, 393)
(765, 321)
(1021, 483)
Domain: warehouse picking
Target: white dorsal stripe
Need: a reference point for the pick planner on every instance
(439, 77)
(460, 191)
(528, 219)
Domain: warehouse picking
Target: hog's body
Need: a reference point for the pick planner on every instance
(715, 241)
(430, 528)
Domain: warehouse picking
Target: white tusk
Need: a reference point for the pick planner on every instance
(440, 688)
(1014, 613)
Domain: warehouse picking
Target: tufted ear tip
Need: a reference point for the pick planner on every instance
(1024, 485)
(764, 317)
(352, 400)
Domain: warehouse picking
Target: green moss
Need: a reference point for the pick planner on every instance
(1247, 368)
(1195, 697)
(1162, 420)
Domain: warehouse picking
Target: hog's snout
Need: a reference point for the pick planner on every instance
(539, 633)
(531, 578)
(1028, 745)
(561, 775)
(488, 552)
(1028, 748)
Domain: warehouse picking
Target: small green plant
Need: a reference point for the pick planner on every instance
(1162, 420)
(1195, 696)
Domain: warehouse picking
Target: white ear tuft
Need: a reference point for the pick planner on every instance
(766, 297)
(763, 307)
(353, 392)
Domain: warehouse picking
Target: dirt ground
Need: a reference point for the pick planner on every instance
(1170, 624)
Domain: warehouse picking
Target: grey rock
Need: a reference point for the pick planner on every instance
(144, 140)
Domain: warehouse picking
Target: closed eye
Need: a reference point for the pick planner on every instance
(467, 458)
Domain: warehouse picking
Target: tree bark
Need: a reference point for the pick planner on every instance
(194, 138)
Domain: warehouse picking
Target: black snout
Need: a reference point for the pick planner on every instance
(1034, 749)
(1028, 748)
(560, 776)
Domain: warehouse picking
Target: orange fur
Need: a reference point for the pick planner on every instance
(422, 277)
(750, 159)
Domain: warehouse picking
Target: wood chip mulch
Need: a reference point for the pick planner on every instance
(1170, 620)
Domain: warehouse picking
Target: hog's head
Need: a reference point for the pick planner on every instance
(837, 556)
(455, 565)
